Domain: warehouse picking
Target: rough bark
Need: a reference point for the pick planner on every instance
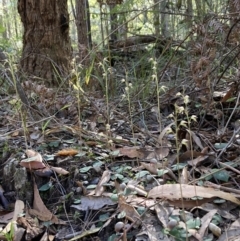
(82, 22)
(83, 29)
(113, 23)
(164, 20)
(189, 12)
(46, 43)
(156, 17)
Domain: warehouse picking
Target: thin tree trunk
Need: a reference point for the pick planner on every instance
(234, 8)
(164, 20)
(113, 22)
(83, 30)
(189, 13)
(83, 23)
(6, 33)
(199, 8)
(156, 17)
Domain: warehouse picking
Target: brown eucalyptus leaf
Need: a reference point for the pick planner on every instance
(131, 152)
(198, 160)
(34, 160)
(178, 191)
(205, 220)
(164, 131)
(215, 229)
(196, 139)
(131, 213)
(151, 167)
(67, 152)
(40, 210)
(60, 170)
(105, 178)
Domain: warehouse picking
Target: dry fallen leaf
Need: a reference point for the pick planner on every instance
(34, 160)
(44, 172)
(229, 93)
(151, 167)
(215, 229)
(164, 131)
(131, 152)
(59, 170)
(195, 138)
(40, 210)
(188, 204)
(157, 153)
(163, 211)
(205, 220)
(188, 155)
(183, 179)
(67, 152)
(105, 178)
(178, 191)
(93, 203)
(131, 213)
(31, 225)
(18, 209)
(198, 160)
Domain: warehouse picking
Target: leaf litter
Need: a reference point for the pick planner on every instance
(155, 190)
(112, 179)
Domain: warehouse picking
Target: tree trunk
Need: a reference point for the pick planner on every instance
(83, 30)
(156, 18)
(164, 20)
(7, 32)
(83, 23)
(189, 12)
(199, 9)
(114, 23)
(46, 43)
(234, 34)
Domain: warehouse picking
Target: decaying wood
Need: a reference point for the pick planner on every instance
(138, 40)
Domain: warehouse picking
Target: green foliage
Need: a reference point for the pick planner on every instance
(10, 235)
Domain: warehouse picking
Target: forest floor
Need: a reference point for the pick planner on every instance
(125, 168)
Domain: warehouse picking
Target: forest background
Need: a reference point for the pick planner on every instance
(129, 98)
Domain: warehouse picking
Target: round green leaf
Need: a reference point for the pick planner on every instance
(85, 169)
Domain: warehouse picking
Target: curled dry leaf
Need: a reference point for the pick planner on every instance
(184, 176)
(105, 178)
(215, 229)
(18, 209)
(34, 160)
(31, 225)
(67, 152)
(205, 220)
(59, 170)
(32, 153)
(196, 139)
(137, 189)
(164, 131)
